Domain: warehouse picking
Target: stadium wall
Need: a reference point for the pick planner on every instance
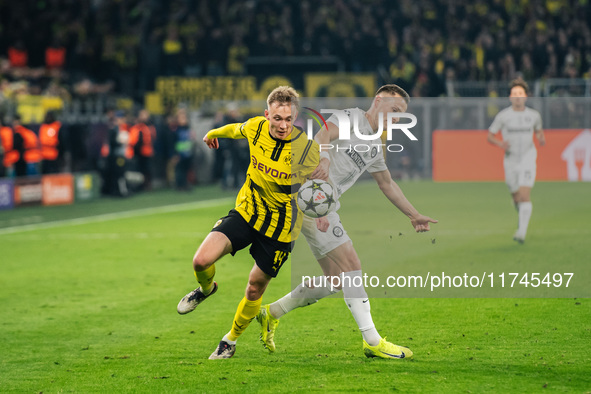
(465, 155)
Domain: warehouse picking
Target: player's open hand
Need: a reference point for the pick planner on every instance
(212, 143)
(321, 172)
(421, 223)
(322, 224)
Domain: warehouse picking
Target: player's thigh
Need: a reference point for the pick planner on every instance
(213, 247)
(228, 235)
(269, 255)
(345, 257)
(322, 242)
(512, 177)
(329, 267)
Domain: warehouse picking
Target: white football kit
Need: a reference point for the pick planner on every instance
(517, 128)
(348, 160)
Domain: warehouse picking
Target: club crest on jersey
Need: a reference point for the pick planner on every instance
(288, 159)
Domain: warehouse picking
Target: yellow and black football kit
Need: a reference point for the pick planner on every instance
(266, 200)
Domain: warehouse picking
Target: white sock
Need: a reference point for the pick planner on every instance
(302, 295)
(525, 209)
(358, 303)
(227, 340)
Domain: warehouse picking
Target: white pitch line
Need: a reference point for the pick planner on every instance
(117, 215)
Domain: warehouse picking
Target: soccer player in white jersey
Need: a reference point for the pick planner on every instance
(517, 123)
(326, 236)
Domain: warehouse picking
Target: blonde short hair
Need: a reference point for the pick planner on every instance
(283, 95)
(394, 89)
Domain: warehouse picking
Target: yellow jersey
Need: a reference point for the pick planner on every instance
(277, 169)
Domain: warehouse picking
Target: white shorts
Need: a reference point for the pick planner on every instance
(520, 172)
(321, 243)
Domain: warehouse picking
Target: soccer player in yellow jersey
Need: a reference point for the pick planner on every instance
(265, 214)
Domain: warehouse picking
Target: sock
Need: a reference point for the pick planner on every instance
(228, 340)
(245, 312)
(525, 209)
(358, 303)
(303, 295)
(205, 279)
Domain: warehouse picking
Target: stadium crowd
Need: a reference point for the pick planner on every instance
(123, 45)
(74, 49)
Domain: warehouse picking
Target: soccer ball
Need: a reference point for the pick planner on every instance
(316, 198)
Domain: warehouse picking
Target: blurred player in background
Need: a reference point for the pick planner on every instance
(264, 216)
(517, 123)
(326, 236)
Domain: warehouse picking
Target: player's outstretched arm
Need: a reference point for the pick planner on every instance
(324, 137)
(232, 130)
(393, 192)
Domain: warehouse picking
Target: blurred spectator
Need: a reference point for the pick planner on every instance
(183, 148)
(231, 158)
(114, 150)
(27, 145)
(170, 137)
(8, 155)
(239, 155)
(143, 133)
(172, 49)
(51, 137)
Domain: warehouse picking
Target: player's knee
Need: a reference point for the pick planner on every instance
(201, 262)
(254, 290)
(522, 197)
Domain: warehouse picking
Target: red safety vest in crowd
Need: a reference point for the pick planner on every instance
(145, 134)
(31, 142)
(49, 138)
(11, 156)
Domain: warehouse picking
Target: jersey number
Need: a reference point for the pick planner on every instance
(280, 258)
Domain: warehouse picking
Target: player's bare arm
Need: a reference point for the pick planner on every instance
(393, 192)
(504, 145)
(325, 136)
(541, 137)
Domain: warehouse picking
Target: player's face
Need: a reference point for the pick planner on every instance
(280, 120)
(518, 96)
(385, 103)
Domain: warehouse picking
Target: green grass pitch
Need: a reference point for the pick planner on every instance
(91, 307)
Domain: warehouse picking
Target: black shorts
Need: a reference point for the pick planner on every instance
(269, 254)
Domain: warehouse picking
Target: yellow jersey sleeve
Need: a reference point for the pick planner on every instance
(232, 130)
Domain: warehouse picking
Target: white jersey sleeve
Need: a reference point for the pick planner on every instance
(497, 123)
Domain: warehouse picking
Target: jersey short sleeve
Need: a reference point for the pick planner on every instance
(497, 123)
